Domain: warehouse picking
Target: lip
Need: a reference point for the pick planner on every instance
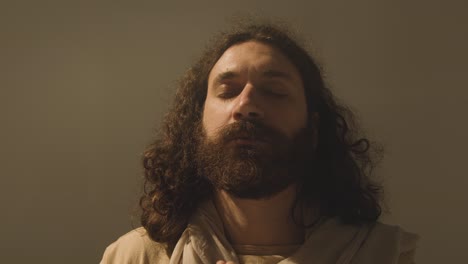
(248, 141)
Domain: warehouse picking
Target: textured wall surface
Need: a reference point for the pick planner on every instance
(83, 85)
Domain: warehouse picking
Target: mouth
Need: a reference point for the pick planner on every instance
(248, 141)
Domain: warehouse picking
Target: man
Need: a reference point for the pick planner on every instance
(257, 163)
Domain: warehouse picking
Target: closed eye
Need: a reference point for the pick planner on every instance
(227, 95)
(274, 93)
(228, 91)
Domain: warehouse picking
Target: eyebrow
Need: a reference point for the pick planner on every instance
(228, 75)
(277, 74)
(225, 76)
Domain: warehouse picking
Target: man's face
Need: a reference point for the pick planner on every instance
(253, 138)
(255, 81)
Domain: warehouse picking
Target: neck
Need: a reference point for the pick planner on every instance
(259, 222)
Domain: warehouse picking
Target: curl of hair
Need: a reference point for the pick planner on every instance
(343, 161)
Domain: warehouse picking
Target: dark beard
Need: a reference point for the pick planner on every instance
(253, 171)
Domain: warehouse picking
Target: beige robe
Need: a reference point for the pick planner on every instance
(330, 242)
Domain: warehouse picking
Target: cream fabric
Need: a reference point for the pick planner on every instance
(330, 242)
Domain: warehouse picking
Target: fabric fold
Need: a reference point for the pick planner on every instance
(204, 241)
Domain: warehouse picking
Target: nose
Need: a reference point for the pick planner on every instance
(248, 105)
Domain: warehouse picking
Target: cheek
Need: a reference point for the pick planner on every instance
(213, 118)
(206, 121)
(292, 121)
(302, 113)
(303, 116)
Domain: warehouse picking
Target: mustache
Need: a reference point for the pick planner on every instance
(251, 129)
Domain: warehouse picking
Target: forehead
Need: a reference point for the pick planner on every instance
(254, 57)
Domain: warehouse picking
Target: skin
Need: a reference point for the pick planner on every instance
(253, 80)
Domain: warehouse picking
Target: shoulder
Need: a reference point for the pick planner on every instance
(135, 247)
(404, 240)
(389, 242)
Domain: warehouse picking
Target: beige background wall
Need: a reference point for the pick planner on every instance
(84, 83)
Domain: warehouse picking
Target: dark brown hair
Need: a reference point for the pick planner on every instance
(341, 184)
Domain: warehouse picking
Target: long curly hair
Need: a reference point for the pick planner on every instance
(344, 161)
